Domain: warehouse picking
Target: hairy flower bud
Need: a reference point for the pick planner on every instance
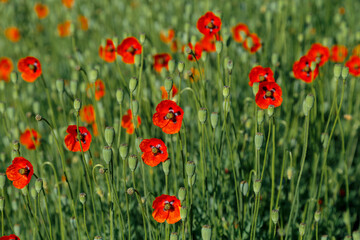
(109, 135)
(133, 161)
(206, 232)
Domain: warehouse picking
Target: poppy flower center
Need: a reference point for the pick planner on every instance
(82, 137)
(161, 61)
(24, 171)
(170, 115)
(110, 48)
(167, 206)
(269, 94)
(262, 78)
(131, 50)
(211, 25)
(156, 149)
(33, 67)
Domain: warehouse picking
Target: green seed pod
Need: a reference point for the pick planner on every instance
(290, 172)
(259, 138)
(255, 88)
(337, 70)
(226, 91)
(188, 50)
(16, 145)
(345, 72)
(13, 77)
(98, 238)
(73, 87)
(33, 193)
(82, 198)
(109, 135)
(133, 161)
(174, 236)
(260, 116)
(324, 237)
(124, 150)
(182, 194)
(302, 229)
(130, 191)
(2, 180)
(206, 232)
(2, 203)
(202, 115)
(275, 216)
(317, 216)
(168, 84)
(142, 38)
(107, 154)
(214, 118)
(120, 95)
(219, 47)
(17, 229)
(10, 111)
(39, 185)
(191, 180)
(244, 187)
(274, 59)
(77, 104)
(305, 108)
(190, 168)
(25, 191)
(93, 74)
(133, 84)
(135, 108)
(226, 59)
(270, 110)
(138, 142)
(356, 235)
(183, 213)
(137, 60)
(230, 65)
(171, 65)
(15, 153)
(60, 85)
(143, 200)
(347, 237)
(257, 186)
(181, 66)
(310, 101)
(166, 167)
(73, 222)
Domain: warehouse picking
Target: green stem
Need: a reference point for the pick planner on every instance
(85, 226)
(272, 172)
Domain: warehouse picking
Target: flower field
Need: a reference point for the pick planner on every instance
(179, 119)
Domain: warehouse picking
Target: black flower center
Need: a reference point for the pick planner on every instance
(269, 93)
(156, 149)
(24, 171)
(171, 115)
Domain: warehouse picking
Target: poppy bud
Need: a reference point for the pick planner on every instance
(92, 76)
(25, 191)
(191, 180)
(347, 237)
(2, 180)
(2, 203)
(2, 158)
(290, 172)
(13, 77)
(182, 194)
(226, 106)
(119, 95)
(275, 216)
(259, 138)
(60, 85)
(324, 139)
(16, 145)
(337, 70)
(38, 185)
(230, 65)
(77, 104)
(130, 191)
(257, 186)
(107, 154)
(138, 142)
(317, 216)
(190, 168)
(137, 60)
(181, 66)
(73, 87)
(82, 197)
(38, 117)
(226, 91)
(255, 88)
(15, 153)
(244, 187)
(344, 72)
(302, 229)
(214, 118)
(206, 232)
(218, 46)
(305, 108)
(202, 115)
(188, 50)
(171, 65)
(174, 236)
(143, 200)
(183, 213)
(133, 161)
(168, 84)
(270, 110)
(17, 229)
(109, 135)
(33, 193)
(98, 238)
(133, 84)
(142, 38)
(356, 235)
(124, 150)
(204, 56)
(260, 116)
(166, 167)
(324, 237)
(309, 101)
(135, 108)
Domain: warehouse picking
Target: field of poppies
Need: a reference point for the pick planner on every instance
(180, 120)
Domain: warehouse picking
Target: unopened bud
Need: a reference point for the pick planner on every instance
(77, 104)
(290, 172)
(244, 187)
(214, 118)
(107, 154)
(93, 74)
(133, 161)
(324, 139)
(142, 38)
(302, 229)
(260, 116)
(15, 153)
(182, 194)
(226, 91)
(270, 110)
(183, 213)
(135, 108)
(313, 66)
(275, 216)
(124, 150)
(345, 72)
(73, 87)
(25, 191)
(324, 237)
(171, 65)
(219, 46)
(38, 117)
(166, 167)
(337, 70)
(82, 198)
(16, 145)
(202, 115)
(190, 168)
(206, 232)
(137, 60)
(119, 95)
(317, 216)
(130, 191)
(309, 101)
(259, 138)
(230, 65)
(191, 180)
(2, 180)
(33, 193)
(255, 88)
(138, 141)
(98, 238)
(60, 85)
(2, 203)
(174, 236)
(38, 185)
(17, 229)
(356, 235)
(257, 186)
(181, 66)
(168, 84)
(133, 84)
(109, 135)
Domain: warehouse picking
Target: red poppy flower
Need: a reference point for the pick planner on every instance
(302, 69)
(84, 23)
(338, 53)
(154, 151)
(87, 114)
(208, 43)
(41, 10)
(128, 48)
(193, 74)
(30, 139)
(164, 94)
(240, 32)
(72, 140)
(166, 208)
(20, 172)
(99, 89)
(64, 29)
(209, 24)
(354, 65)
(13, 34)
(10, 237)
(319, 53)
(174, 46)
(252, 43)
(170, 36)
(168, 116)
(68, 3)
(356, 50)
(6, 66)
(108, 52)
(260, 74)
(161, 61)
(95, 129)
(127, 122)
(197, 51)
(30, 68)
(269, 94)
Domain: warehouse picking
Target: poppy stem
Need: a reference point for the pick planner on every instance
(47, 213)
(272, 172)
(2, 223)
(140, 203)
(85, 226)
(42, 216)
(49, 101)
